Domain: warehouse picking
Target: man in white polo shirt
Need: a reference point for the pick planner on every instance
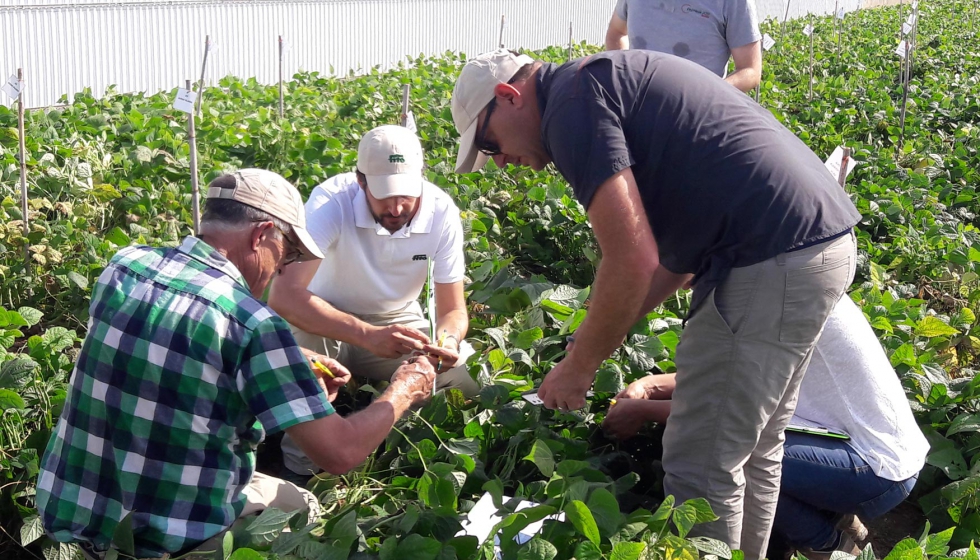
(378, 228)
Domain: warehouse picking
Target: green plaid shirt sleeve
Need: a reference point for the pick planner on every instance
(179, 362)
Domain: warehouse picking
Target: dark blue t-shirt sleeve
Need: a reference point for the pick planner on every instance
(587, 144)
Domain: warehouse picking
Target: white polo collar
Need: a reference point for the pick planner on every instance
(421, 223)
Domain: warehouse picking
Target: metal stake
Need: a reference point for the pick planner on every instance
(281, 102)
(204, 65)
(195, 189)
(23, 171)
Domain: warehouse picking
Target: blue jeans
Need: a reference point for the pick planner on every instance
(824, 479)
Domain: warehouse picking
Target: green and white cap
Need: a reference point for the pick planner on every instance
(390, 157)
(273, 194)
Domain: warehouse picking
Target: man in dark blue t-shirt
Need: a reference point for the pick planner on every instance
(686, 181)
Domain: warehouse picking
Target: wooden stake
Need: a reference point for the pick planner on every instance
(812, 32)
(204, 65)
(915, 37)
(23, 171)
(783, 24)
(500, 39)
(845, 160)
(973, 14)
(406, 90)
(281, 100)
(195, 188)
(569, 40)
(905, 102)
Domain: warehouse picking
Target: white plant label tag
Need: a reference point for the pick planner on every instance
(840, 13)
(833, 163)
(808, 30)
(901, 49)
(915, 4)
(185, 100)
(410, 122)
(534, 399)
(906, 28)
(911, 19)
(12, 87)
(767, 42)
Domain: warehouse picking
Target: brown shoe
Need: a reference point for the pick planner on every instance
(845, 545)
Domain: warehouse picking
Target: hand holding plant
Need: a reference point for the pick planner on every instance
(394, 341)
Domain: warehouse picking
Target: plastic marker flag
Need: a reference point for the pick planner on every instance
(185, 100)
(767, 42)
(902, 48)
(833, 163)
(12, 87)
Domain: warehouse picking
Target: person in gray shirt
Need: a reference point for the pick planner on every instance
(704, 31)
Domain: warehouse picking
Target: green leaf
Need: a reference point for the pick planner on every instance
(664, 510)
(287, 542)
(542, 457)
(10, 400)
(904, 354)
(930, 327)
(526, 339)
(964, 423)
(122, 536)
(685, 517)
(702, 509)
(609, 379)
(58, 338)
(605, 509)
(627, 550)
(344, 532)
(585, 550)
(266, 527)
(15, 373)
(60, 551)
(866, 554)
(537, 549)
(246, 554)
(78, 280)
(936, 543)
(31, 530)
(417, 547)
(496, 489)
(907, 549)
(712, 546)
(971, 553)
(581, 518)
(118, 237)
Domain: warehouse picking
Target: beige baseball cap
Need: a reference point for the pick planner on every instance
(273, 194)
(390, 157)
(474, 90)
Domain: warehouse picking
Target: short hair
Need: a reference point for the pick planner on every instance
(229, 214)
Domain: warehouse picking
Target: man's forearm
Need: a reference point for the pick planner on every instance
(663, 285)
(455, 323)
(312, 314)
(745, 79)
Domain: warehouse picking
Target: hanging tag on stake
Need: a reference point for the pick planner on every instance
(185, 100)
(906, 28)
(808, 30)
(12, 87)
(840, 13)
(834, 161)
(915, 4)
(767, 42)
(911, 19)
(410, 122)
(901, 49)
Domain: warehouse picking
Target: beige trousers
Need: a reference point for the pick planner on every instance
(740, 362)
(363, 363)
(262, 492)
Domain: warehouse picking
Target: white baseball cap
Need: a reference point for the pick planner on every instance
(274, 195)
(474, 90)
(390, 157)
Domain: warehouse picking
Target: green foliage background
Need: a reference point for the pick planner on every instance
(109, 171)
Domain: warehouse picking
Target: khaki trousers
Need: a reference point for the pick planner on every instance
(262, 492)
(740, 362)
(363, 363)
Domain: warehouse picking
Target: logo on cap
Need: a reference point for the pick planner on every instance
(396, 158)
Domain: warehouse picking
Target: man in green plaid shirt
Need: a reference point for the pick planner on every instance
(180, 360)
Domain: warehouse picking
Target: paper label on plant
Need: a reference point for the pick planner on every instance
(534, 399)
(12, 87)
(483, 517)
(185, 100)
(833, 163)
(901, 49)
(808, 30)
(840, 13)
(410, 122)
(767, 42)
(911, 19)
(915, 5)
(906, 28)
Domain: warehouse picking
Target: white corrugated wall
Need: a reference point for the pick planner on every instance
(148, 45)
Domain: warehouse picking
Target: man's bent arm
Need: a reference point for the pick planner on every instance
(663, 285)
(617, 34)
(291, 298)
(629, 261)
(748, 67)
(451, 311)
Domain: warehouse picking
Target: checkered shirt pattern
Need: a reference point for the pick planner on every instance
(179, 362)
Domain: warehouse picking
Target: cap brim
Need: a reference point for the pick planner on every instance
(307, 246)
(468, 158)
(398, 184)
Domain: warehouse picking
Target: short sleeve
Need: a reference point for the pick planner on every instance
(586, 140)
(450, 266)
(621, 6)
(275, 380)
(741, 23)
(324, 217)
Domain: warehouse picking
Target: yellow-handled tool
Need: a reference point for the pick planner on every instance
(322, 368)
